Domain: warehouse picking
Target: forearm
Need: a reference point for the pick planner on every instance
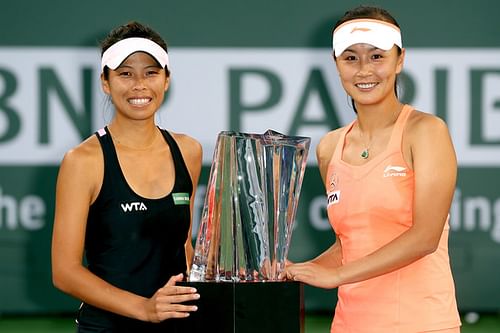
(82, 284)
(402, 251)
(332, 257)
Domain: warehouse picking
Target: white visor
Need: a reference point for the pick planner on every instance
(380, 34)
(119, 51)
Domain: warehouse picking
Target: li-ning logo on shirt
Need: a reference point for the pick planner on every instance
(133, 206)
(394, 171)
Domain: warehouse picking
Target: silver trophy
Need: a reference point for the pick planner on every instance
(250, 205)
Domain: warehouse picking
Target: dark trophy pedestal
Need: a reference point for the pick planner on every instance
(256, 307)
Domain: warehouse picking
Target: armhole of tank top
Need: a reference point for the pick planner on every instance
(396, 141)
(100, 136)
(337, 152)
(177, 158)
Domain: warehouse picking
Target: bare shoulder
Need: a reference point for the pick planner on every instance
(87, 153)
(325, 150)
(82, 168)
(424, 126)
(327, 144)
(427, 141)
(84, 163)
(191, 152)
(189, 146)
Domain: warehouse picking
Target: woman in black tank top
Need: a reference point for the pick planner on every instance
(124, 200)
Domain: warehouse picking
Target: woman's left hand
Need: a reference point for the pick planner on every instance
(313, 274)
(168, 301)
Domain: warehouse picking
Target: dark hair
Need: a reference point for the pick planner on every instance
(131, 29)
(368, 12)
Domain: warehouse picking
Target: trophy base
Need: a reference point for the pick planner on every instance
(227, 307)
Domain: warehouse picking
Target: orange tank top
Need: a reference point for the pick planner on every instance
(368, 206)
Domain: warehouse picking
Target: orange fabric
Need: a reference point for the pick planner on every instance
(368, 206)
(446, 330)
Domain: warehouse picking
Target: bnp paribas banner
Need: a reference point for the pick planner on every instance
(50, 100)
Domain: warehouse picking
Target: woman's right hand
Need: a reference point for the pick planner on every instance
(167, 302)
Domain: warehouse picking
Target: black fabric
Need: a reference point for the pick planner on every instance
(93, 320)
(132, 242)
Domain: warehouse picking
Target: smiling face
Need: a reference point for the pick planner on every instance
(368, 74)
(137, 87)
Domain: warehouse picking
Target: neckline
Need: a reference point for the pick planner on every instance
(124, 179)
(383, 154)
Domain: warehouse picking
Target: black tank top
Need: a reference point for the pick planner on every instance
(132, 242)
(135, 243)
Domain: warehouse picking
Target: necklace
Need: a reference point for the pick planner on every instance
(149, 145)
(365, 153)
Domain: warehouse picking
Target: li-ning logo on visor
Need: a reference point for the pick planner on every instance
(133, 206)
(359, 29)
(394, 171)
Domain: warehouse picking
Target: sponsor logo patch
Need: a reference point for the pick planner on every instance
(181, 198)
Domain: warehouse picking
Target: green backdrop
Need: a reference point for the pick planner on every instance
(462, 33)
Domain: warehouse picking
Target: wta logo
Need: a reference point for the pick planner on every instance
(133, 206)
(333, 198)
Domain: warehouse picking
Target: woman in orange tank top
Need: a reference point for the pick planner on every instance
(390, 177)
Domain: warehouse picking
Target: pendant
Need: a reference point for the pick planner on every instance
(365, 154)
